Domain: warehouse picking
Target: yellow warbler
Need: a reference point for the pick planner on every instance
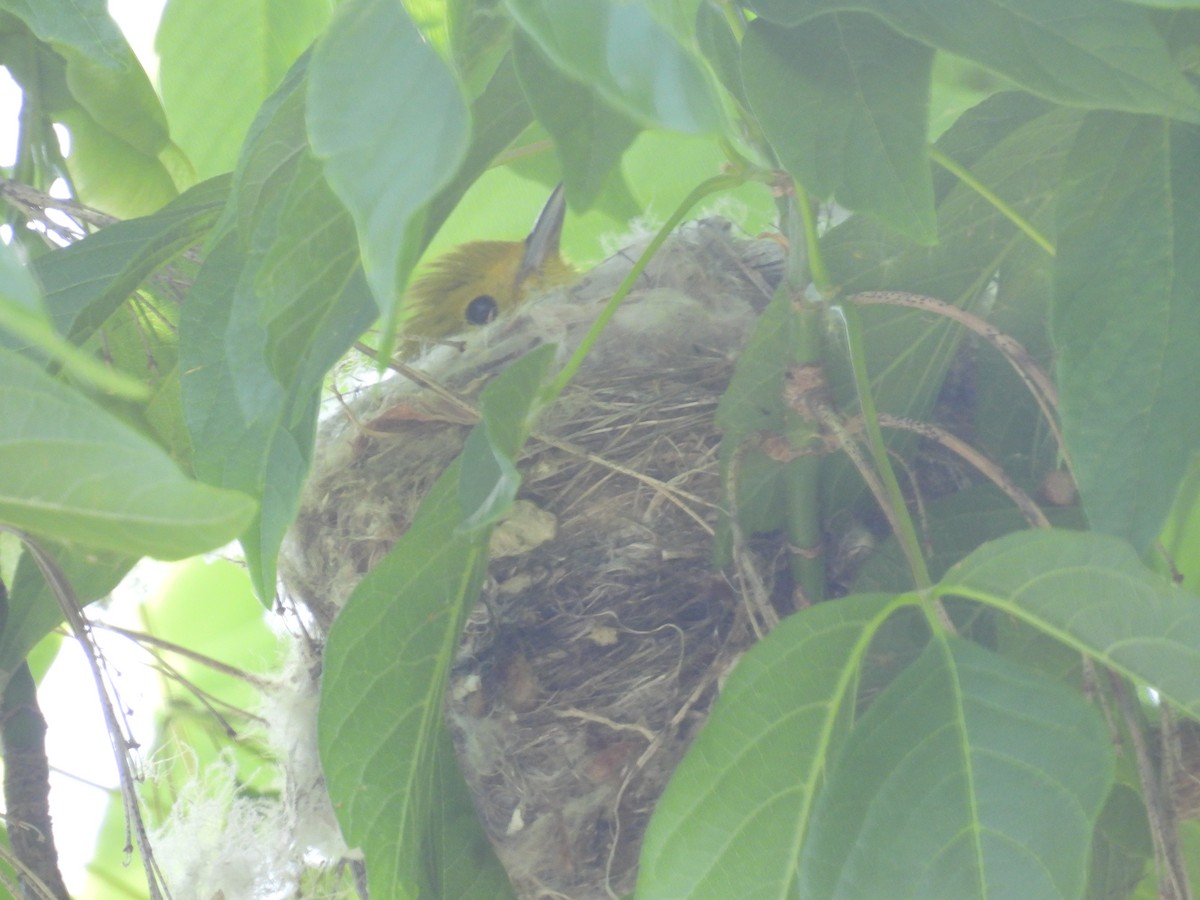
(473, 284)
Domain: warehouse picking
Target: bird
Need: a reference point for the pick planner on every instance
(476, 282)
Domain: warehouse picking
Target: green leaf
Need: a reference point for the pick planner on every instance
(22, 301)
(957, 524)
(270, 312)
(461, 864)
(274, 144)
(248, 429)
(1122, 848)
(1090, 53)
(28, 326)
(490, 479)
(315, 301)
(631, 59)
(1126, 317)
(735, 814)
(844, 101)
(967, 777)
(480, 36)
(1091, 592)
(71, 472)
(219, 60)
(109, 174)
(387, 163)
(86, 282)
(120, 100)
(590, 136)
(83, 25)
(721, 50)
(385, 667)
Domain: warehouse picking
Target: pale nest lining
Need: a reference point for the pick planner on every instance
(603, 629)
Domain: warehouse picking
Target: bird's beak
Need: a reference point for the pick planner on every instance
(542, 242)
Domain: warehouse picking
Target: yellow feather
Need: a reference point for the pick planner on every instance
(474, 283)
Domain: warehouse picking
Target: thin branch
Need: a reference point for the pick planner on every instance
(122, 743)
(1039, 383)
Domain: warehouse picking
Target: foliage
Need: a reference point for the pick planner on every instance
(1034, 165)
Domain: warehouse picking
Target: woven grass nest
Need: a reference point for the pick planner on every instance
(603, 630)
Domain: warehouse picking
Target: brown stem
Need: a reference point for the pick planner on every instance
(27, 778)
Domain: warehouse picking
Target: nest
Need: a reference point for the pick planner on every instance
(603, 630)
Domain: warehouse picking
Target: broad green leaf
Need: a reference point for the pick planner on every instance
(679, 17)
(754, 401)
(219, 60)
(270, 313)
(844, 101)
(1091, 592)
(385, 164)
(25, 325)
(590, 136)
(111, 175)
(721, 50)
(23, 307)
(83, 25)
(86, 282)
(274, 144)
(1126, 317)
(480, 36)
(461, 863)
(385, 667)
(120, 100)
(735, 814)
(315, 301)
(71, 472)
(631, 59)
(1091, 53)
(967, 777)
(241, 424)
(1121, 850)
(250, 431)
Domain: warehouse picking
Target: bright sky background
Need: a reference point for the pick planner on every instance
(76, 739)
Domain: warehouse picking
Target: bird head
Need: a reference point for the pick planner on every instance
(474, 283)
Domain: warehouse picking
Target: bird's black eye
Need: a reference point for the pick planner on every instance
(481, 310)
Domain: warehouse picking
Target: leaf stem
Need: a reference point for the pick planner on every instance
(816, 262)
(906, 532)
(702, 190)
(964, 175)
